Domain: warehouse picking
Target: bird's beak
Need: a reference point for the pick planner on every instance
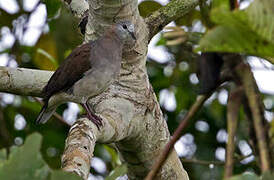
(133, 35)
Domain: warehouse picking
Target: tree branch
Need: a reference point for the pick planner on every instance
(233, 107)
(172, 11)
(194, 108)
(254, 100)
(81, 141)
(21, 81)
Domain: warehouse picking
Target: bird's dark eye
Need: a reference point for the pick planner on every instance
(124, 26)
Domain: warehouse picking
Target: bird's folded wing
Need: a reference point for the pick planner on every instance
(70, 71)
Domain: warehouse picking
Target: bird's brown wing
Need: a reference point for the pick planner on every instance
(69, 72)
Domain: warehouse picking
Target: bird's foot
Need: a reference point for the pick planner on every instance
(91, 116)
(95, 119)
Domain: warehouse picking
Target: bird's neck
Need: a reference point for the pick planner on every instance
(114, 35)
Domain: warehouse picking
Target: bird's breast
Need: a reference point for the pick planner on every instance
(94, 82)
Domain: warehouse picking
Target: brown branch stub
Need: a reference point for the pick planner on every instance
(172, 11)
(255, 104)
(233, 107)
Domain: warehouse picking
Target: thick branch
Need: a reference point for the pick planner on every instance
(172, 11)
(81, 140)
(26, 82)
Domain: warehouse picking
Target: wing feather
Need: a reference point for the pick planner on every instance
(70, 71)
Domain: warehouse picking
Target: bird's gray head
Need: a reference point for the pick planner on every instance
(125, 31)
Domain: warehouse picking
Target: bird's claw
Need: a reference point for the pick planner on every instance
(96, 120)
(91, 116)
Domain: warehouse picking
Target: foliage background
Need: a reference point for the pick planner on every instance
(174, 81)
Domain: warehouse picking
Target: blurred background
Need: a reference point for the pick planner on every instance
(40, 34)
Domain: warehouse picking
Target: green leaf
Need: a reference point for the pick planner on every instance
(58, 174)
(250, 31)
(147, 7)
(161, 41)
(245, 176)
(44, 53)
(188, 19)
(114, 155)
(118, 171)
(224, 4)
(3, 155)
(25, 162)
(268, 176)
(53, 7)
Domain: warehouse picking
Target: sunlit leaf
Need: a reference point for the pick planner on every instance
(224, 4)
(249, 31)
(46, 53)
(161, 41)
(43, 52)
(114, 155)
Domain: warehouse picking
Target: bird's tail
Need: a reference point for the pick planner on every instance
(45, 113)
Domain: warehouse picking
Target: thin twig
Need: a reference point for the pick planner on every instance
(201, 162)
(233, 107)
(194, 108)
(172, 11)
(218, 163)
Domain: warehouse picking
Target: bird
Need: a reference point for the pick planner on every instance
(209, 71)
(87, 71)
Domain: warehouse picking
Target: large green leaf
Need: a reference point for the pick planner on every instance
(25, 162)
(249, 31)
(53, 7)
